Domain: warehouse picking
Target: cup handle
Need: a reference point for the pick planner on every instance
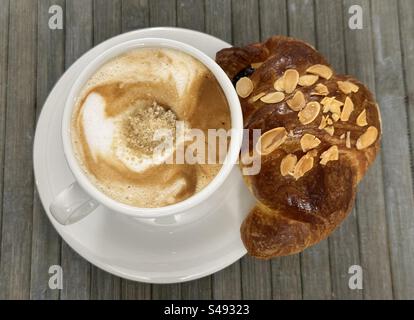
(72, 204)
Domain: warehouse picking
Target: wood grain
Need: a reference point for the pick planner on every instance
(135, 14)
(406, 12)
(315, 267)
(218, 19)
(398, 185)
(370, 197)
(17, 216)
(79, 39)
(46, 243)
(190, 14)
(163, 13)
(273, 18)
(4, 41)
(343, 243)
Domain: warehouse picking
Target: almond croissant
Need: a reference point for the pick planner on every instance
(320, 133)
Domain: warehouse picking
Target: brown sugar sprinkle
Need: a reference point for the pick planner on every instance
(139, 127)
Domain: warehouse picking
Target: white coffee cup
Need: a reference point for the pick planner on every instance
(82, 197)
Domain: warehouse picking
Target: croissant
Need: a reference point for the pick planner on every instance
(320, 131)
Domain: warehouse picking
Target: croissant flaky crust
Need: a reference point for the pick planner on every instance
(320, 133)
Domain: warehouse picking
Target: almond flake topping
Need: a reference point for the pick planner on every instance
(309, 113)
(271, 140)
(362, 119)
(367, 138)
(347, 87)
(331, 154)
(244, 87)
(287, 165)
(321, 70)
(273, 97)
(308, 142)
(298, 101)
(308, 80)
(347, 109)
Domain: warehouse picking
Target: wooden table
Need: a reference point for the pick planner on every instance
(378, 235)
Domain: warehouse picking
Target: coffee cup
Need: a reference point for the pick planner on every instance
(82, 197)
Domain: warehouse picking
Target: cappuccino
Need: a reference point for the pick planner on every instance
(130, 100)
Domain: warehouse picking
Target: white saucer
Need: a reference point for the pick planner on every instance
(124, 246)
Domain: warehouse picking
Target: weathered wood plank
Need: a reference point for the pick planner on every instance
(286, 278)
(343, 243)
(197, 289)
(218, 18)
(285, 271)
(46, 243)
(315, 267)
(273, 18)
(79, 39)
(107, 23)
(135, 14)
(4, 41)
(18, 174)
(406, 12)
(104, 286)
(256, 280)
(163, 13)
(227, 283)
(398, 185)
(131, 290)
(190, 14)
(370, 197)
(245, 22)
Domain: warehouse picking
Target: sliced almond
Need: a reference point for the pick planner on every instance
(335, 117)
(271, 140)
(342, 136)
(273, 97)
(256, 65)
(257, 97)
(308, 142)
(330, 130)
(320, 90)
(308, 80)
(287, 165)
(279, 84)
(323, 123)
(244, 87)
(362, 119)
(309, 113)
(367, 138)
(347, 109)
(321, 70)
(330, 104)
(348, 140)
(303, 165)
(347, 87)
(329, 121)
(331, 154)
(298, 101)
(290, 80)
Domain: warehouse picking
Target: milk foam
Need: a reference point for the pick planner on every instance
(168, 77)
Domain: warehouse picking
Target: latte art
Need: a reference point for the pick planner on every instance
(120, 110)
